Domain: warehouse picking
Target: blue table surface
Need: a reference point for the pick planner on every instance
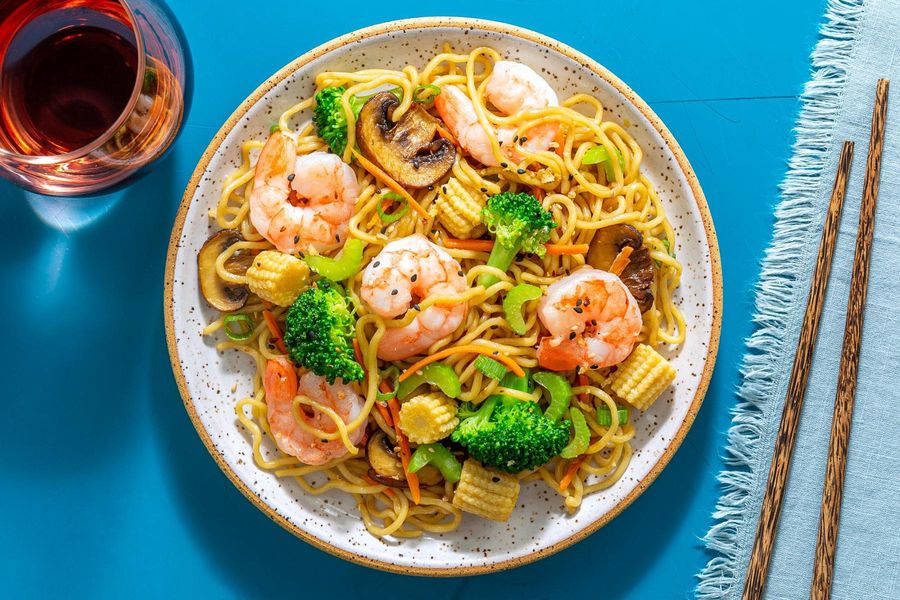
(107, 490)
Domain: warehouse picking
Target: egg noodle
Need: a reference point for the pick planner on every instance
(582, 202)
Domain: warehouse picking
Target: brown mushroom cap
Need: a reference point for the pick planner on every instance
(638, 275)
(222, 295)
(407, 150)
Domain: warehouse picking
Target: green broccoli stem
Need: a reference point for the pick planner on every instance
(501, 257)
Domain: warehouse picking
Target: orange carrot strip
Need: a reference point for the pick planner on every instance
(475, 245)
(488, 245)
(411, 478)
(537, 192)
(583, 381)
(621, 261)
(447, 135)
(387, 490)
(567, 249)
(276, 331)
(510, 363)
(574, 465)
(386, 179)
(560, 139)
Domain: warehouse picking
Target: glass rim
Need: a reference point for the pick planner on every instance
(82, 151)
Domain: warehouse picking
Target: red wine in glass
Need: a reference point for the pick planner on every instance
(90, 91)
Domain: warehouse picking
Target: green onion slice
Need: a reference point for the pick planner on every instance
(438, 455)
(341, 268)
(429, 99)
(436, 374)
(490, 367)
(560, 393)
(245, 328)
(597, 155)
(582, 438)
(513, 303)
(604, 416)
(397, 214)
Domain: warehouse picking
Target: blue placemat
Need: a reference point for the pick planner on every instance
(859, 44)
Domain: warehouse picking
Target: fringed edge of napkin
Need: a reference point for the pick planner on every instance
(795, 214)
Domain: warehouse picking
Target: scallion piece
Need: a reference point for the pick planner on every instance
(341, 268)
(246, 327)
(513, 303)
(390, 374)
(397, 214)
(582, 438)
(436, 374)
(560, 393)
(274, 128)
(597, 155)
(490, 367)
(429, 99)
(604, 417)
(439, 456)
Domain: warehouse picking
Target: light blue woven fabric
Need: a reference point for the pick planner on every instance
(860, 43)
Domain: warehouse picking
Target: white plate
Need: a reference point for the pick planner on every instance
(539, 525)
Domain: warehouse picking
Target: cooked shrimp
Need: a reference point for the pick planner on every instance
(593, 321)
(405, 272)
(325, 191)
(282, 386)
(511, 88)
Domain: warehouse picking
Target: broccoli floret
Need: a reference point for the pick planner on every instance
(329, 119)
(519, 224)
(318, 333)
(508, 434)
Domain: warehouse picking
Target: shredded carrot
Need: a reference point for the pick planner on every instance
(583, 381)
(621, 261)
(387, 180)
(387, 490)
(475, 245)
(411, 478)
(382, 385)
(510, 363)
(567, 249)
(560, 139)
(488, 245)
(276, 331)
(447, 135)
(537, 192)
(574, 465)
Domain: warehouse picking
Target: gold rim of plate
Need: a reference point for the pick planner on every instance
(585, 62)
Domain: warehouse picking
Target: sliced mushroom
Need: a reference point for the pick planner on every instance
(407, 150)
(638, 275)
(387, 467)
(220, 294)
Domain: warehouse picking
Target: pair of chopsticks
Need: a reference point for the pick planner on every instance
(846, 388)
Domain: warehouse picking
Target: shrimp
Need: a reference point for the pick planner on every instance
(593, 321)
(405, 272)
(282, 386)
(301, 202)
(511, 88)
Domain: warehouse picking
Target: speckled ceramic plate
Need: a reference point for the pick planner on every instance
(210, 383)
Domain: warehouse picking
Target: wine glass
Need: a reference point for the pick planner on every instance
(91, 91)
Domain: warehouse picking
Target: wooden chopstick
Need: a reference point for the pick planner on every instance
(793, 401)
(833, 489)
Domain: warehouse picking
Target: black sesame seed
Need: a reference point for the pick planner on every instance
(572, 335)
(394, 292)
(523, 139)
(495, 353)
(578, 309)
(444, 188)
(337, 237)
(301, 255)
(495, 479)
(504, 165)
(484, 190)
(296, 238)
(520, 171)
(282, 229)
(595, 366)
(430, 188)
(460, 273)
(414, 277)
(578, 302)
(416, 307)
(515, 138)
(291, 177)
